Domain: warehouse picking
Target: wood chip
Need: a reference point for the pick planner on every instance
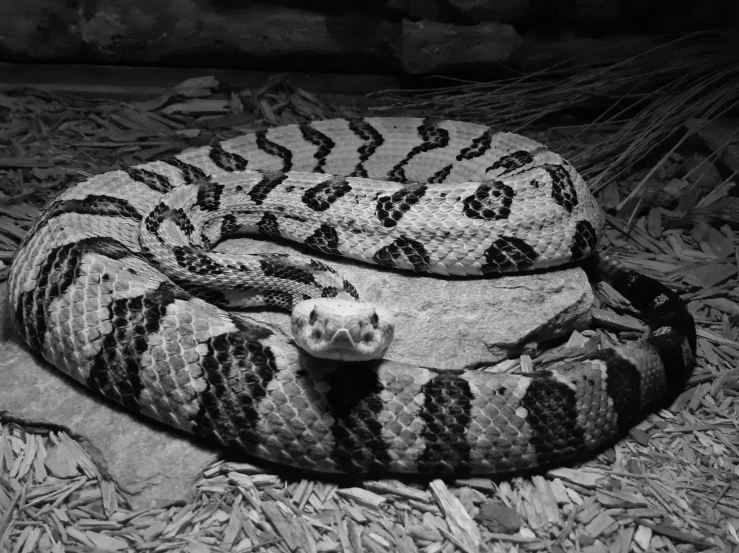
(460, 523)
(106, 542)
(362, 497)
(584, 478)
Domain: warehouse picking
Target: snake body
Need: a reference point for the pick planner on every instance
(88, 291)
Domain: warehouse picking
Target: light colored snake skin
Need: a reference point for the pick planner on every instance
(89, 294)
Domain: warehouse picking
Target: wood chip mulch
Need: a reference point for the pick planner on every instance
(671, 485)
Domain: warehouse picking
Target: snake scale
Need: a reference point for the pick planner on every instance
(413, 194)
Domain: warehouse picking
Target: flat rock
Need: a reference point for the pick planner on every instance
(452, 323)
(440, 322)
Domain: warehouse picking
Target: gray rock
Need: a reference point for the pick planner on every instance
(497, 517)
(449, 323)
(441, 323)
(428, 47)
(418, 9)
(329, 37)
(253, 35)
(502, 11)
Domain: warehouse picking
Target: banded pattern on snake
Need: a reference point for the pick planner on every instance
(88, 293)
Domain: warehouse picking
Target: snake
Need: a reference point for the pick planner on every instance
(118, 287)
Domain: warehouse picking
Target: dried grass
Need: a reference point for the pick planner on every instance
(672, 485)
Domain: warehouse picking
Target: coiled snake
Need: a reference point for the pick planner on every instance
(454, 199)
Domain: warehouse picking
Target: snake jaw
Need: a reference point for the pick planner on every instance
(331, 328)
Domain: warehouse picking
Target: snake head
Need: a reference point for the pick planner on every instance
(332, 328)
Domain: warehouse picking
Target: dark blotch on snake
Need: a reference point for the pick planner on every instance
(96, 204)
(116, 370)
(355, 405)
(162, 212)
(268, 225)
(446, 412)
(478, 147)
(228, 161)
(508, 253)
(325, 239)
(350, 289)
(323, 195)
(673, 357)
(194, 260)
(209, 196)
(412, 251)
(269, 181)
(511, 163)
(551, 413)
(563, 189)
(274, 149)
(279, 267)
(491, 201)
(229, 225)
(155, 181)
(155, 218)
(190, 173)
(432, 137)
(583, 241)
(237, 369)
(441, 175)
(180, 218)
(60, 268)
(371, 140)
(390, 209)
(279, 299)
(324, 144)
(623, 386)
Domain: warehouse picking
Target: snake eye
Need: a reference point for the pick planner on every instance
(313, 316)
(374, 319)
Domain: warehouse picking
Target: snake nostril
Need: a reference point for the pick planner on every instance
(374, 319)
(313, 316)
(316, 334)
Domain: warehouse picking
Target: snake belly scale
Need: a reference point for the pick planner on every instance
(445, 197)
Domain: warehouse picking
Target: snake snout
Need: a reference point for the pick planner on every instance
(343, 338)
(341, 329)
(354, 330)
